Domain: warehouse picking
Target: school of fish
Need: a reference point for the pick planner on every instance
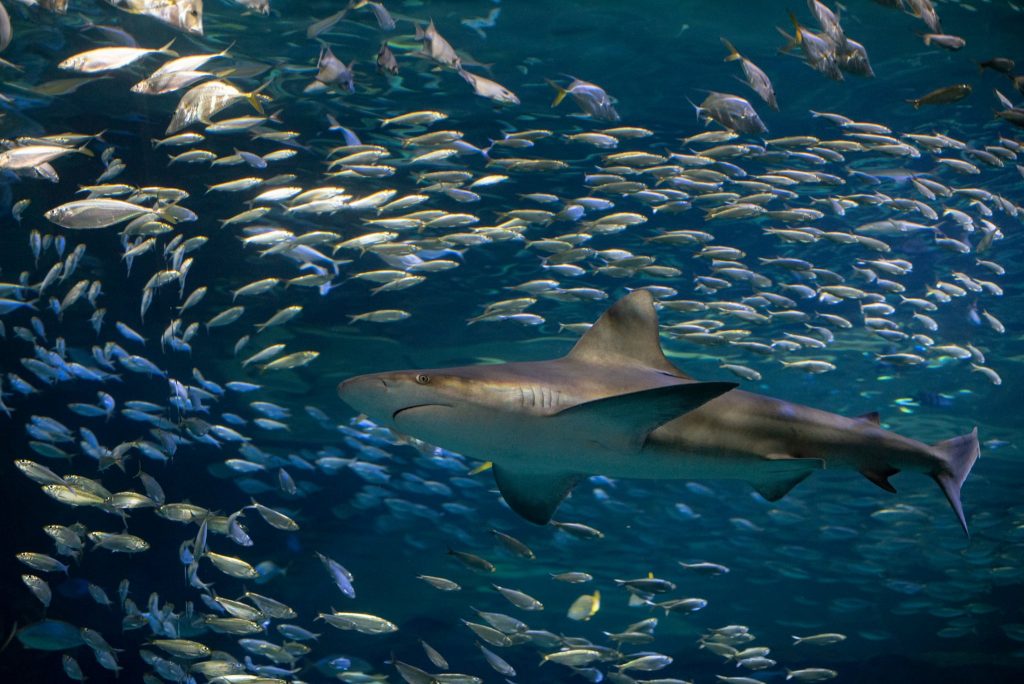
(118, 301)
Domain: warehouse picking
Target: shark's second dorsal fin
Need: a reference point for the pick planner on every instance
(627, 333)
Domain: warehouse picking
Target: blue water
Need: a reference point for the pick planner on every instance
(915, 599)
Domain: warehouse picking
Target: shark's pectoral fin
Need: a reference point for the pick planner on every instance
(785, 473)
(624, 421)
(531, 495)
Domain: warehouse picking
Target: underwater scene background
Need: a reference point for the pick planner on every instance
(915, 240)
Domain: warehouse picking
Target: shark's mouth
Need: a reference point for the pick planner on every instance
(415, 406)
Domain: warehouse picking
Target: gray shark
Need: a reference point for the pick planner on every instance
(616, 406)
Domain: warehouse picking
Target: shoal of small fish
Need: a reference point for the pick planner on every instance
(377, 203)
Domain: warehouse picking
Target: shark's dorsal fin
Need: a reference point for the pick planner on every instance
(622, 422)
(531, 495)
(627, 334)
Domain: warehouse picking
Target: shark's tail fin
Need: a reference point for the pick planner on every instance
(957, 456)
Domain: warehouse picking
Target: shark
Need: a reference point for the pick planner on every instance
(616, 406)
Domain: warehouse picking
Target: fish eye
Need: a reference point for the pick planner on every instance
(422, 379)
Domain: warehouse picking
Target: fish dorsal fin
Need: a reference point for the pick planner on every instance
(872, 418)
(627, 334)
(534, 496)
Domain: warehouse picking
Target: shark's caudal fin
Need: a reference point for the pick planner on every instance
(627, 334)
(957, 456)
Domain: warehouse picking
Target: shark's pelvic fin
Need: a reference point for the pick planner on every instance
(880, 476)
(531, 495)
(958, 456)
(622, 422)
(627, 334)
(786, 472)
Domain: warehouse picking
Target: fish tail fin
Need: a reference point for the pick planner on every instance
(799, 38)
(1003, 100)
(957, 457)
(166, 49)
(420, 33)
(734, 54)
(166, 212)
(254, 100)
(696, 108)
(254, 97)
(560, 93)
(83, 149)
(791, 42)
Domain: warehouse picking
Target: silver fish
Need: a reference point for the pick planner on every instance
(591, 98)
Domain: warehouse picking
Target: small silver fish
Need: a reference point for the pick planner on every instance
(591, 98)
(485, 87)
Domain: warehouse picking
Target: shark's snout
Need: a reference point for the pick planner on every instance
(385, 397)
(363, 391)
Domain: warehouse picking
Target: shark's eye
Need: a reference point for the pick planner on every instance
(423, 379)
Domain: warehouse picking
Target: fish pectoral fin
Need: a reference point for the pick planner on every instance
(786, 473)
(534, 496)
(623, 421)
(880, 476)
